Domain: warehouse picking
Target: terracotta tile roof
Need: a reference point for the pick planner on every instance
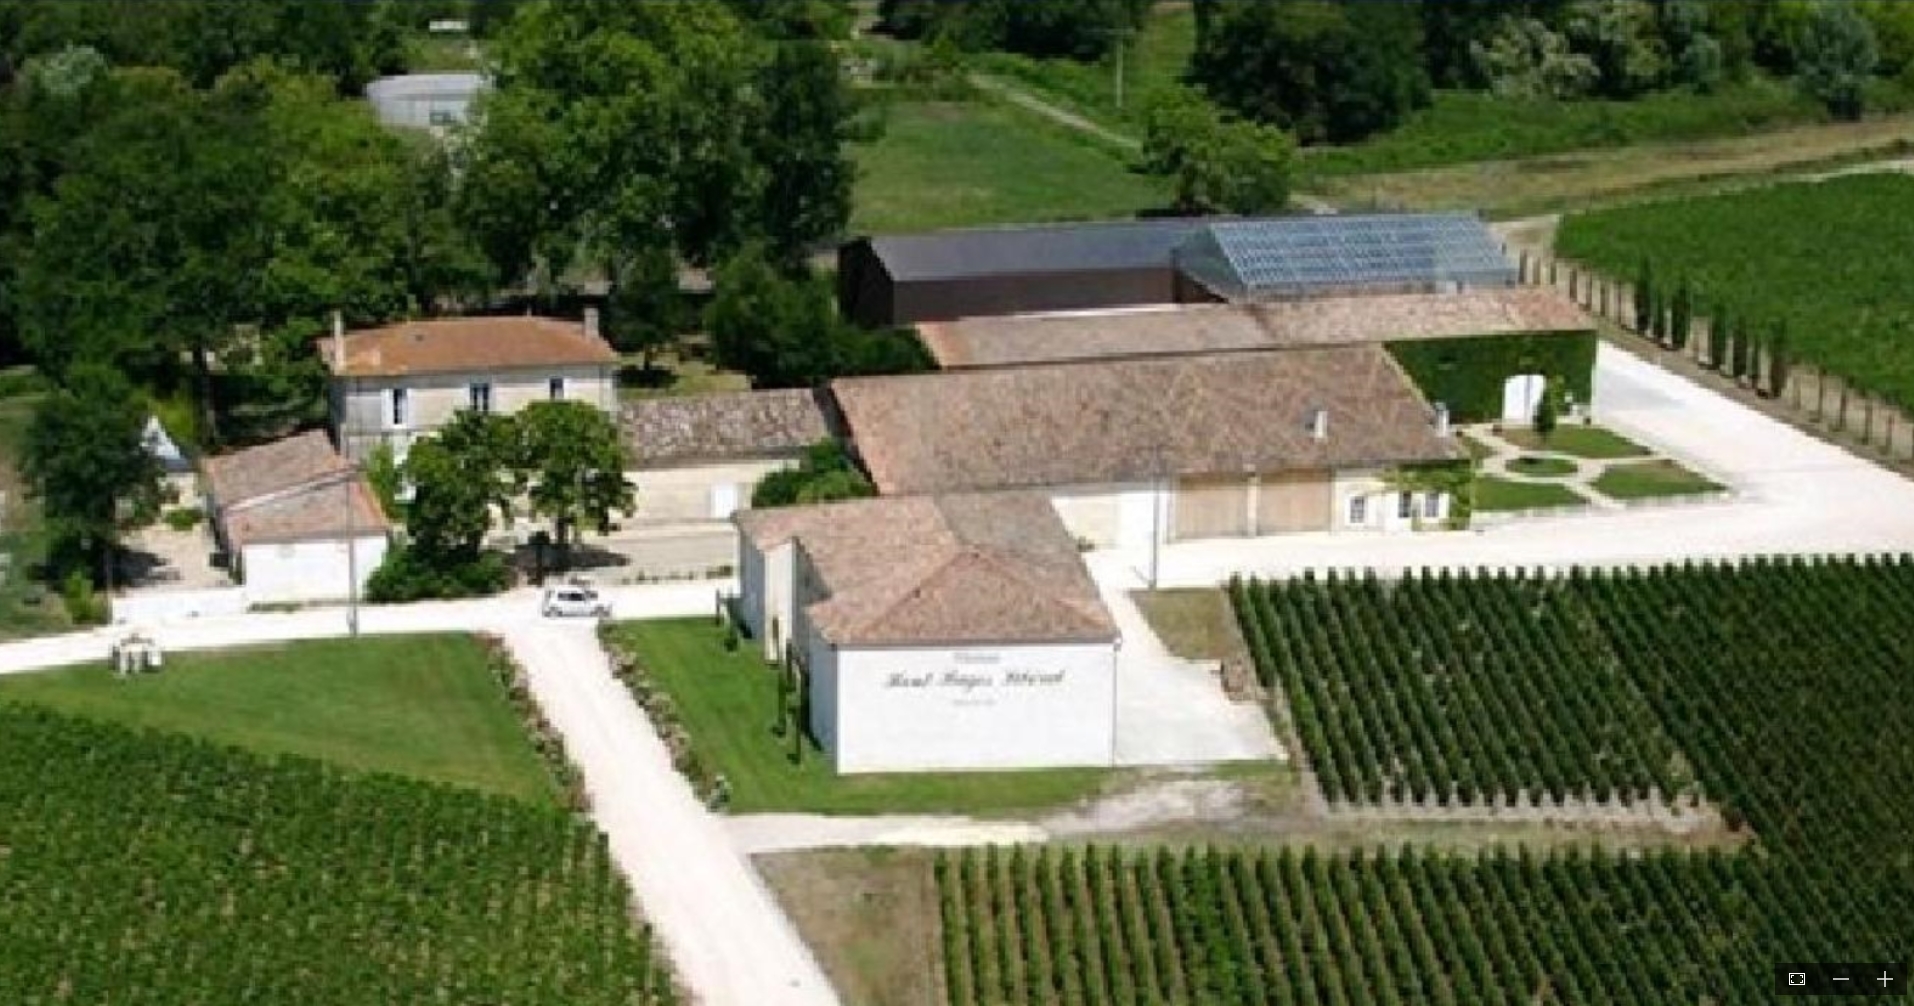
(980, 342)
(315, 512)
(273, 468)
(460, 344)
(1106, 421)
(745, 424)
(290, 490)
(968, 569)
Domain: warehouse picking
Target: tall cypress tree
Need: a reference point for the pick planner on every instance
(1778, 359)
(1644, 296)
(1718, 337)
(1683, 315)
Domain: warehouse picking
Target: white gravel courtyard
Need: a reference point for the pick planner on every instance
(1793, 494)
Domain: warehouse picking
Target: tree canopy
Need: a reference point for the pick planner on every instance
(86, 462)
(1217, 163)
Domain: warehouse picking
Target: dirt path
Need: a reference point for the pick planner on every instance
(1062, 116)
(1525, 186)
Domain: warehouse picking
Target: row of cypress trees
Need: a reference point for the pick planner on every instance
(1736, 346)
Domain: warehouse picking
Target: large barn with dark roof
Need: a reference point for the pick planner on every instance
(994, 272)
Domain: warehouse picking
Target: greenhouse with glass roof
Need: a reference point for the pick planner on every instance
(1287, 258)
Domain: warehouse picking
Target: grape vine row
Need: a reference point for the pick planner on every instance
(140, 868)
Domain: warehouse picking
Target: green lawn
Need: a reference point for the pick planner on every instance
(1542, 467)
(726, 701)
(1650, 479)
(672, 375)
(1156, 59)
(422, 706)
(958, 164)
(1591, 442)
(1493, 494)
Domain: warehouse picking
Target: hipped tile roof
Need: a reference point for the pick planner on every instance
(962, 569)
(294, 489)
(980, 342)
(448, 345)
(745, 424)
(1137, 420)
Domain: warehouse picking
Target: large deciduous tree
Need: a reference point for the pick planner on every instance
(86, 462)
(1837, 55)
(572, 463)
(463, 482)
(1216, 163)
(1325, 70)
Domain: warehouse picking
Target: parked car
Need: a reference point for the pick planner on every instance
(575, 601)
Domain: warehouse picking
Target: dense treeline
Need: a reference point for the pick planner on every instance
(186, 194)
(1339, 70)
(1081, 29)
(143, 868)
(1782, 682)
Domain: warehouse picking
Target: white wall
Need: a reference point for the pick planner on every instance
(765, 590)
(1384, 507)
(292, 572)
(1006, 707)
(691, 494)
(1113, 516)
(362, 406)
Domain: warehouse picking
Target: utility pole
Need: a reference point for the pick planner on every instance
(1156, 516)
(352, 557)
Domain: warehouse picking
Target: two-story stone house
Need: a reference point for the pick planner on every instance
(395, 384)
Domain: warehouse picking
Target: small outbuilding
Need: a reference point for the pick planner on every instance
(935, 634)
(295, 520)
(430, 101)
(695, 459)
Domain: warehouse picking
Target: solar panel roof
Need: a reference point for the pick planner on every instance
(1297, 255)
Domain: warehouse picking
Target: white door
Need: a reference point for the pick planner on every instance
(1520, 395)
(724, 500)
(1137, 518)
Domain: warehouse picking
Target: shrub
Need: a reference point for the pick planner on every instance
(84, 605)
(184, 518)
(407, 575)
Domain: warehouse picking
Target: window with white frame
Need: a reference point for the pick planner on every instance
(1405, 505)
(481, 396)
(1358, 509)
(399, 413)
(1432, 506)
(555, 389)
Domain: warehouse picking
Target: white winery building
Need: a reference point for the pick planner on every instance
(935, 634)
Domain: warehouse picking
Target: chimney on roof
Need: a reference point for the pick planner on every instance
(1442, 419)
(338, 342)
(591, 323)
(1319, 423)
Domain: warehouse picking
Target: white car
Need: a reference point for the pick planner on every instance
(575, 602)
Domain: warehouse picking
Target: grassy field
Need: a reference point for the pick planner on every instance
(1156, 59)
(1829, 259)
(971, 163)
(1194, 623)
(421, 706)
(672, 374)
(1493, 494)
(1590, 442)
(1649, 479)
(726, 701)
(1576, 179)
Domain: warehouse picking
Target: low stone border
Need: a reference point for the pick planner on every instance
(659, 708)
(546, 739)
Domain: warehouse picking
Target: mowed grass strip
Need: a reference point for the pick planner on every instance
(427, 707)
(961, 164)
(1650, 479)
(1590, 442)
(1493, 494)
(728, 700)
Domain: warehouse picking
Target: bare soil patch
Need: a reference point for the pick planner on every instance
(871, 916)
